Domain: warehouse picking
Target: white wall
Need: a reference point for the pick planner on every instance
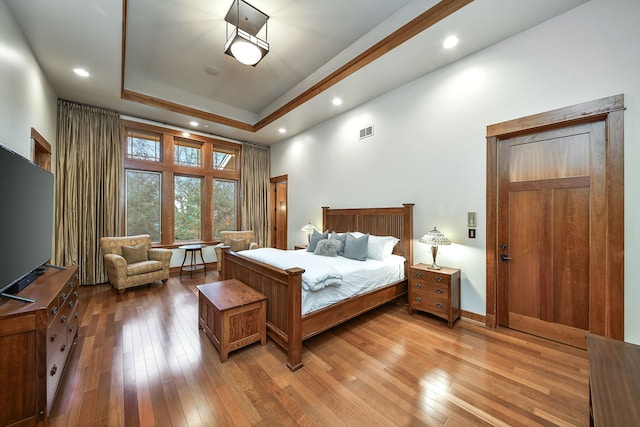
(429, 142)
(26, 98)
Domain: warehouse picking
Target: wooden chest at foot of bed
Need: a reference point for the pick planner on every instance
(232, 315)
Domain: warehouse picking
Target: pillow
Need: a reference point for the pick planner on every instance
(133, 254)
(356, 247)
(341, 238)
(238, 244)
(315, 238)
(328, 247)
(380, 247)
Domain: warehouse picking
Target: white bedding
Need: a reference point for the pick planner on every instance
(328, 280)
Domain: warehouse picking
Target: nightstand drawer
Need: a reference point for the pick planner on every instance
(430, 277)
(440, 305)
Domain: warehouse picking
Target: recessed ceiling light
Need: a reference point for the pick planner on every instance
(282, 130)
(336, 101)
(81, 72)
(450, 42)
(193, 123)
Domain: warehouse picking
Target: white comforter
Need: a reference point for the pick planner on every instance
(328, 280)
(317, 273)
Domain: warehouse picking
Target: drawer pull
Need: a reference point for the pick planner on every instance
(418, 285)
(53, 370)
(71, 328)
(438, 291)
(439, 305)
(77, 276)
(418, 299)
(418, 274)
(70, 303)
(63, 319)
(54, 336)
(71, 285)
(76, 315)
(63, 347)
(54, 310)
(75, 294)
(63, 297)
(438, 279)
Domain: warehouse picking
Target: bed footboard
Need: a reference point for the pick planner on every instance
(283, 289)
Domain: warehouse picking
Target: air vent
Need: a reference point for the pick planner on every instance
(366, 132)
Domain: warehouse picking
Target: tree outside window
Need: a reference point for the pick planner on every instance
(225, 198)
(187, 202)
(143, 203)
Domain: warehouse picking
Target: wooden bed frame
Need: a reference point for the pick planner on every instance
(285, 323)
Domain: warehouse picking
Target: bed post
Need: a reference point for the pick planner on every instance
(294, 318)
(408, 236)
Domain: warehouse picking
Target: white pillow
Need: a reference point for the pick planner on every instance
(380, 247)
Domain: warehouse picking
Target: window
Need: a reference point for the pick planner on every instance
(224, 159)
(187, 203)
(142, 209)
(143, 146)
(187, 153)
(225, 197)
(179, 189)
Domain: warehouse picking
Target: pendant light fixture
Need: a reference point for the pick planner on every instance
(243, 43)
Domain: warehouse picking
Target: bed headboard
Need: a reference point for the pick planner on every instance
(397, 222)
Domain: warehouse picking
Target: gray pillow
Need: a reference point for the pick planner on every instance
(315, 238)
(342, 238)
(327, 247)
(356, 247)
(133, 254)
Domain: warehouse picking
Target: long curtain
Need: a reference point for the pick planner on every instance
(88, 176)
(255, 191)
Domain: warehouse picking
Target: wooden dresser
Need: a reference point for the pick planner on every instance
(614, 382)
(435, 291)
(36, 340)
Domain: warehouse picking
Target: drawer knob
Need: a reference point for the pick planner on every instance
(63, 319)
(438, 279)
(54, 310)
(418, 274)
(439, 305)
(76, 315)
(54, 336)
(438, 291)
(63, 347)
(71, 328)
(63, 297)
(70, 303)
(418, 285)
(71, 285)
(418, 299)
(53, 370)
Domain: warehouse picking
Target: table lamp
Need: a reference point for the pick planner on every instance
(435, 239)
(309, 229)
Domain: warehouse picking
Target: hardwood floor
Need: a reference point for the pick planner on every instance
(140, 360)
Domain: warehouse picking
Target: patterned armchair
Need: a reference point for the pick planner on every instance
(238, 240)
(130, 261)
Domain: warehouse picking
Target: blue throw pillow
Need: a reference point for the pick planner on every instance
(342, 238)
(315, 238)
(356, 247)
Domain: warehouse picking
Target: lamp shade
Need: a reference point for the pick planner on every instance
(309, 228)
(435, 238)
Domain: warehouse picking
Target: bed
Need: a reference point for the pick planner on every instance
(286, 325)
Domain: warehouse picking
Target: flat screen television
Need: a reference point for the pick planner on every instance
(26, 220)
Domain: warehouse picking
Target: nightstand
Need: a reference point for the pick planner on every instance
(435, 291)
(296, 247)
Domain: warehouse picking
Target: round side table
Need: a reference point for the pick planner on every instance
(192, 250)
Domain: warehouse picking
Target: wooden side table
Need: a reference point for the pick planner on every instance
(297, 247)
(435, 291)
(192, 250)
(232, 315)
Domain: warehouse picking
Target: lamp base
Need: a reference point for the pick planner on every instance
(433, 266)
(434, 254)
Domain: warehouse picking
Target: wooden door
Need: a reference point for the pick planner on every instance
(555, 222)
(279, 220)
(544, 232)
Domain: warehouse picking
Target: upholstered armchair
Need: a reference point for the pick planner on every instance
(131, 261)
(237, 240)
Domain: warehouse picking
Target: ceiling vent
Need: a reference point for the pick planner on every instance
(366, 132)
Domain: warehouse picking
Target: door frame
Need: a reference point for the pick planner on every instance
(607, 306)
